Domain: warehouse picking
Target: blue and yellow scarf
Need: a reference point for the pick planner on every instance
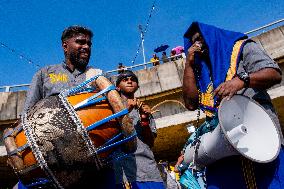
(225, 48)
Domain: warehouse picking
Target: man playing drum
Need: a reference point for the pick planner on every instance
(51, 80)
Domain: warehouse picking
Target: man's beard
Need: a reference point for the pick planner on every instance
(77, 61)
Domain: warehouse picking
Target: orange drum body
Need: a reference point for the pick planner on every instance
(94, 113)
(62, 143)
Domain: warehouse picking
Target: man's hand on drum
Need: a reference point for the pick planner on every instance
(228, 88)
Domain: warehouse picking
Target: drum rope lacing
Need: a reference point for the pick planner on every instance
(88, 102)
(80, 87)
(92, 100)
(13, 133)
(80, 128)
(36, 151)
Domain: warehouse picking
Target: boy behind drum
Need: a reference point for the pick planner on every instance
(139, 169)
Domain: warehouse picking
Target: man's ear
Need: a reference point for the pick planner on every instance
(64, 46)
(136, 88)
(118, 89)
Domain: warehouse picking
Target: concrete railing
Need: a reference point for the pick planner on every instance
(145, 65)
(8, 88)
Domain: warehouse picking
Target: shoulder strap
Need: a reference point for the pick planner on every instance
(237, 49)
(92, 72)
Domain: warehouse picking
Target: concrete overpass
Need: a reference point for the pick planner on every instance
(160, 87)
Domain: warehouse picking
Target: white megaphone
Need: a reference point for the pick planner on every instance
(244, 129)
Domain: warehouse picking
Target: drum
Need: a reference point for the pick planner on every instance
(64, 140)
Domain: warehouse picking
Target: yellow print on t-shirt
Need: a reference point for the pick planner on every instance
(207, 99)
(55, 78)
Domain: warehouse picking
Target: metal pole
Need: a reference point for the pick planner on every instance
(7, 89)
(142, 43)
(265, 26)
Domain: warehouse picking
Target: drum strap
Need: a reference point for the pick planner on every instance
(127, 139)
(13, 132)
(113, 116)
(80, 127)
(79, 87)
(92, 100)
(115, 138)
(18, 150)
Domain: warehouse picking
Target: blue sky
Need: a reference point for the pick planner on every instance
(33, 28)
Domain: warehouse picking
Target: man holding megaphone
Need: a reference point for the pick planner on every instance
(220, 64)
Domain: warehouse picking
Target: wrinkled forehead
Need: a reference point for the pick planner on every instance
(79, 36)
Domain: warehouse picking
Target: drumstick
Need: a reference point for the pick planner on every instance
(139, 104)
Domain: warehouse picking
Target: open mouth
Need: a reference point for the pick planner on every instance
(84, 54)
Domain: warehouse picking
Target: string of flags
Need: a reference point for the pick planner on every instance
(143, 32)
(19, 55)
